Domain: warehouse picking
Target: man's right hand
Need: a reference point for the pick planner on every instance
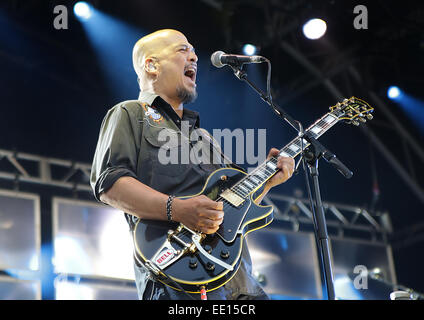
(198, 213)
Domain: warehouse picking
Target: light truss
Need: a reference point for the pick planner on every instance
(340, 217)
(24, 167)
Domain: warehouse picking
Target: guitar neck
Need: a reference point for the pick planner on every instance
(266, 170)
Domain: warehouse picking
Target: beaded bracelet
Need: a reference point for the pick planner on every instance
(169, 207)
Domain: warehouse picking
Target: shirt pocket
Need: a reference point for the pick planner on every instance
(169, 156)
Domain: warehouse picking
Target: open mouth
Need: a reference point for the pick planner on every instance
(190, 72)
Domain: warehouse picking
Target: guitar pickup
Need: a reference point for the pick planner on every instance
(232, 197)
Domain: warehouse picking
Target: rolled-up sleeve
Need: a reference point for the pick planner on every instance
(116, 152)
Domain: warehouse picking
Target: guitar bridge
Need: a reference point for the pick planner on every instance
(167, 254)
(232, 197)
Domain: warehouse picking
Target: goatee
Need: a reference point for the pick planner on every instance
(186, 96)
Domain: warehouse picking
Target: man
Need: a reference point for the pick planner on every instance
(128, 175)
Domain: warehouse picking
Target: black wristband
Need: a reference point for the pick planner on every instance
(169, 207)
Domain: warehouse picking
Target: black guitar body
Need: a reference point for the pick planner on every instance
(193, 270)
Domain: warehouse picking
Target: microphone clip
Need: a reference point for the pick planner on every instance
(239, 72)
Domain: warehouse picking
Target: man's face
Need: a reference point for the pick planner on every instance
(177, 69)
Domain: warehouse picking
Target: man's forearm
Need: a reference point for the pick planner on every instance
(133, 197)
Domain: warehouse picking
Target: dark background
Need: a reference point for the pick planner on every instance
(56, 86)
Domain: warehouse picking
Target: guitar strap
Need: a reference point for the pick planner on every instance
(214, 145)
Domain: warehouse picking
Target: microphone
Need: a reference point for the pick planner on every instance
(220, 59)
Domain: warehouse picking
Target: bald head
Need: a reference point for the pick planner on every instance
(152, 47)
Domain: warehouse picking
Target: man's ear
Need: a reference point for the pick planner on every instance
(150, 66)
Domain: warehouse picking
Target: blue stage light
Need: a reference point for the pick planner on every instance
(249, 49)
(82, 10)
(394, 93)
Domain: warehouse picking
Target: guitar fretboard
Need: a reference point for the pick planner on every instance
(266, 170)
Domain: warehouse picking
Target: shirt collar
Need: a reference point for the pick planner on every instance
(155, 100)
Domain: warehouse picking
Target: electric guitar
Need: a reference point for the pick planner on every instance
(177, 254)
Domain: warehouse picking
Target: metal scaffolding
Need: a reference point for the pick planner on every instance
(24, 167)
(342, 220)
(34, 169)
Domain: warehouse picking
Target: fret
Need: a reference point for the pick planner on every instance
(267, 170)
(329, 118)
(242, 188)
(249, 184)
(270, 172)
(293, 147)
(271, 165)
(255, 179)
(289, 152)
(274, 160)
(261, 172)
(316, 129)
(239, 191)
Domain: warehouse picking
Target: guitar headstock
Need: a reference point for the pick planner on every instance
(353, 111)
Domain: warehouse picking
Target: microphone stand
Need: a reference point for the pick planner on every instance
(310, 156)
(242, 75)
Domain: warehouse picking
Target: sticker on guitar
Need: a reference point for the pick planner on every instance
(165, 256)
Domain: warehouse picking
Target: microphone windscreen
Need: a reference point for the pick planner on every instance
(216, 59)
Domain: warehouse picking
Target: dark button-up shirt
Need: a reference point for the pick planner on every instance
(131, 143)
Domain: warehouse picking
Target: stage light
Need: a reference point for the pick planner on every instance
(249, 49)
(314, 29)
(112, 40)
(394, 92)
(82, 10)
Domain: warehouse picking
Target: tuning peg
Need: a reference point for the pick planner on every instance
(370, 116)
(355, 123)
(363, 120)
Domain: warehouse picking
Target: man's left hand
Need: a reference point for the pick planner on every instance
(286, 166)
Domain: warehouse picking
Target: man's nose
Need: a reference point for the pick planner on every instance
(193, 56)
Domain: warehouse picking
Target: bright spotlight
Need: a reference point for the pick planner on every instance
(394, 92)
(82, 10)
(249, 49)
(314, 29)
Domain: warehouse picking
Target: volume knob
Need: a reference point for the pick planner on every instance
(225, 254)
(210, 266)
(192, 263)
